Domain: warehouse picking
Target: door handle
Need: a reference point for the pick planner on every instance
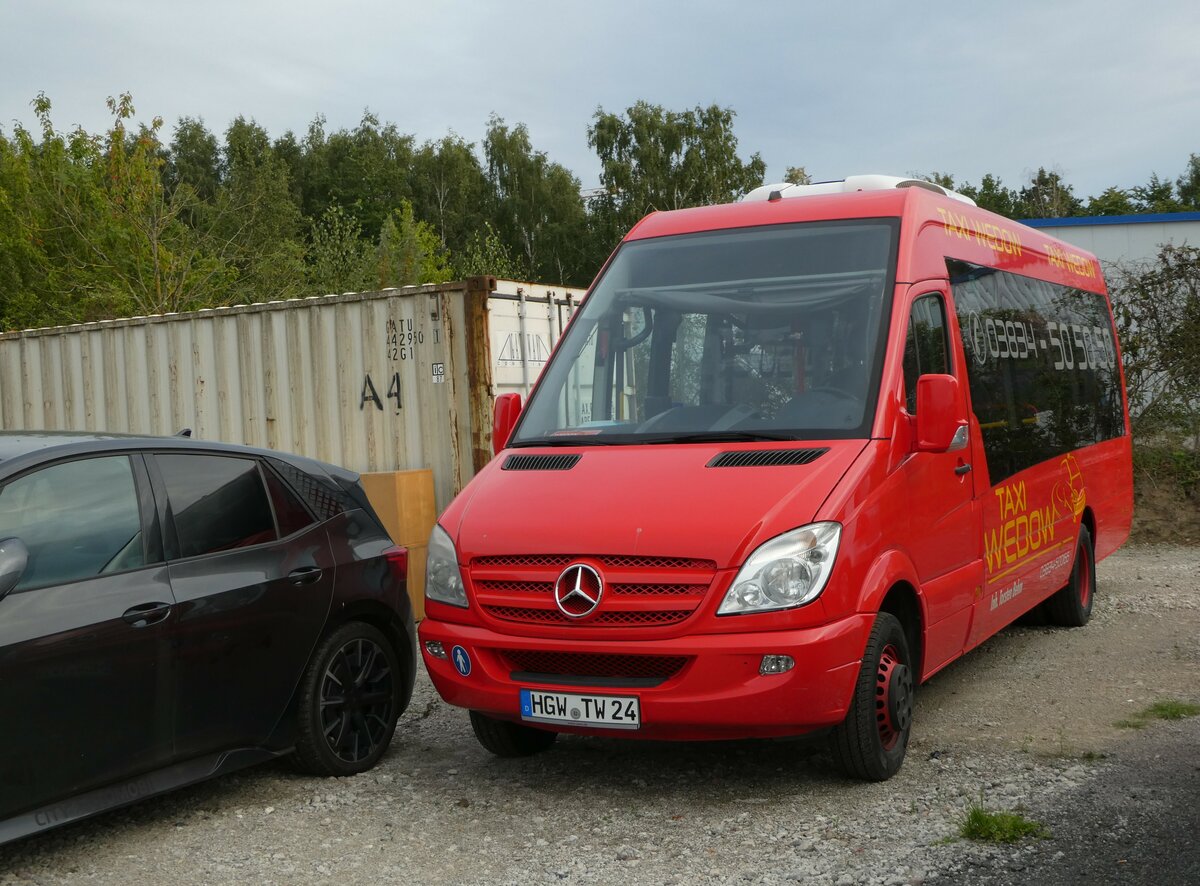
(305, 575)
(145, 614)
(962, 470)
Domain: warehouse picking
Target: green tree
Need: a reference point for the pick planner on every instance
(1157, 307)
(1112, 201)
(992, 195)
(23, 262)
(193, 158)
(535, 204)
(485, 253)
(1157, 195)
(653, 159)
(1047, 196)
(1188, 184)
(449, 190)
(365, 171)
(340, 260)
(409, 252)
(796, 175)
(254, 221)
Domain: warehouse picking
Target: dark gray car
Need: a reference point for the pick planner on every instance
(171, 610)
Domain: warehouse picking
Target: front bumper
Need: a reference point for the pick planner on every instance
(718, 694)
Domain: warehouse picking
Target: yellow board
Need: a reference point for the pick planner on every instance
(405, 503)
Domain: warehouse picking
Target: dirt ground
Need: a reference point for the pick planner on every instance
(1163, 515)
(1058, 692)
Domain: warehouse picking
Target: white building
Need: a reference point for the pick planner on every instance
(1124, 239)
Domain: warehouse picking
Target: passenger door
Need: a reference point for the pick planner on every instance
(940, 511)
(85, 675)
(253, 576)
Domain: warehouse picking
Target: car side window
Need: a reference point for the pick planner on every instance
(925, 347)
(79, 519)
(290, 513)
(218, 502)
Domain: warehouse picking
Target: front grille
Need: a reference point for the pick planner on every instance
(637, 618)
(585, 664)
(640, 591)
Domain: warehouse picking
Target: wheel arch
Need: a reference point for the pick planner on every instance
(891, 586)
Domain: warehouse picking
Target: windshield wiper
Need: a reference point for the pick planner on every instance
(717, 437)
(568, 440)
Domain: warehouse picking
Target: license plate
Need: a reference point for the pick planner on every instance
(608, 711)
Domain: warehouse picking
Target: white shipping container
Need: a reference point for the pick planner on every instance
(399, 379)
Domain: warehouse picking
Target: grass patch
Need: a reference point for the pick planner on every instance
(1167, 709)
(1000, 827)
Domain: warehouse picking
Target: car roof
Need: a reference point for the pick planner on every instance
(40, 446)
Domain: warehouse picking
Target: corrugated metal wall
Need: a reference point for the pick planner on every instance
(377, 381)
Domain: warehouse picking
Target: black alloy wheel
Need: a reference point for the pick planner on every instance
(349, 705)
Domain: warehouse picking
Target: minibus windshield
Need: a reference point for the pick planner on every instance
(764, 333)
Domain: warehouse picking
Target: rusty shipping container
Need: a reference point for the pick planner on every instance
(395, 380)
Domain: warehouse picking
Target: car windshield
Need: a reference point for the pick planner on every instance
(754, 333)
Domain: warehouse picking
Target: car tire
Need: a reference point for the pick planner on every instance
(507, 739)
(1071, 606)
(343, 733)
(871, 742)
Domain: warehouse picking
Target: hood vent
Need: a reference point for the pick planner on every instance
(759, 458)
(540, 462)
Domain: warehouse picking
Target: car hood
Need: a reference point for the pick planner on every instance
(652, 500)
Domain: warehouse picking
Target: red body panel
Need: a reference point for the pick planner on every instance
(658, 518)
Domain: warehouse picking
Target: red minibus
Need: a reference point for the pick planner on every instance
(792, 457)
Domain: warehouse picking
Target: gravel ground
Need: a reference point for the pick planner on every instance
(1024, 722)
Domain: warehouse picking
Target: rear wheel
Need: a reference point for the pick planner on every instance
(507, 739)
(870, 743)
(1071, 607)
(349, 702)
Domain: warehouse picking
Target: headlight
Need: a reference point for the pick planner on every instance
(443, 579)
(789, 570)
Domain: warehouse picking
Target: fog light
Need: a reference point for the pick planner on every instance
(435, 648)
(776, 664)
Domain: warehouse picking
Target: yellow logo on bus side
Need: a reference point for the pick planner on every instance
(1070, 261)
(1024, 533)
(964, 227)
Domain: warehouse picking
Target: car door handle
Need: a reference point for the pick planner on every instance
(962, 470)
(305, 575)
(145, 614)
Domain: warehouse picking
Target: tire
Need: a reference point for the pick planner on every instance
(507, 739)
(343, 734)
(1071, 607)
(871, 742)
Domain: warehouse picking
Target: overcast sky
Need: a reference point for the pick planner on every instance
(1105, 92)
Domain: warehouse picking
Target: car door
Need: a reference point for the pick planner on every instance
(942, 516)
(85, 674)
(253, 578)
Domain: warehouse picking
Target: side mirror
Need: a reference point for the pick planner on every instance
(14, 557)
(505, 413)
(940, 414)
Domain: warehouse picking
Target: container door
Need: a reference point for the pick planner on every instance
(940, 512)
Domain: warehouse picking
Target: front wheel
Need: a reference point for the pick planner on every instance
(870, 743)
(349, 702)
(507, 739)
(1071, 607)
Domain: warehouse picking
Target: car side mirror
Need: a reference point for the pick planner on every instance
(14, 557)
(505, 413)
(940, 414)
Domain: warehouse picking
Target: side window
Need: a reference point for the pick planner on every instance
(79, 519)
(218, 502)
(925, 347)
(290, 514)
